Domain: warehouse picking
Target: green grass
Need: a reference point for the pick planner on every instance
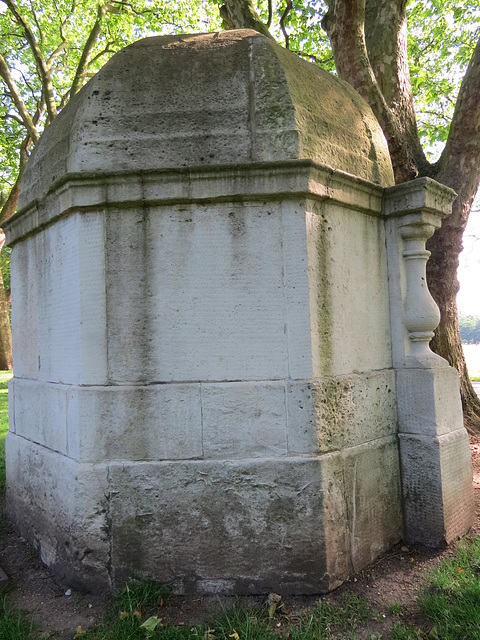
(4, 378)
(135, 615)
(132, 610)
(452, 598)
(14, 625)
(330, 621)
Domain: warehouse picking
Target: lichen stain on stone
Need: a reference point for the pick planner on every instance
(333, 406)
(321, 309)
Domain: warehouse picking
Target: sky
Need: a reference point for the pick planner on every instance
(468, 299)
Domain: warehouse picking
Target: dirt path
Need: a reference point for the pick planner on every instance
(394, 578)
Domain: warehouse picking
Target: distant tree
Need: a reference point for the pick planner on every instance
(469, 329)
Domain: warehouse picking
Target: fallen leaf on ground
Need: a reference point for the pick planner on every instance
(151, 623)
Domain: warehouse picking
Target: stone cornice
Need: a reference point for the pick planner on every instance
(86, 192)
(422, 195)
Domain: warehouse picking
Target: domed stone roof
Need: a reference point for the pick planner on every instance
(216, 98)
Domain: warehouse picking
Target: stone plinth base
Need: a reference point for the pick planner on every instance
(435, 457)
(294, 525)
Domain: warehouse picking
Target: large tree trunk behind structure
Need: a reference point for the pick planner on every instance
(369, 43)
(9, 206)
(5, 332)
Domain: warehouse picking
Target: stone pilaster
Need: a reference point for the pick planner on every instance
(434, 447)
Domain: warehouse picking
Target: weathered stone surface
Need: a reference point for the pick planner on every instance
(255, 508)
(209, 99)
(437, 487)
(337, 413)
(372, 493)
(349, 308)
(61, 507)
(429, 401)
(244, 420)
(62, 338)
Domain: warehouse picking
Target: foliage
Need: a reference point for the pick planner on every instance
(303, 27)
(442, 37)
(469, 329)
(52, 47)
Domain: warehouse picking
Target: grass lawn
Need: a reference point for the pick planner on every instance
(472, 356)
(4, 378)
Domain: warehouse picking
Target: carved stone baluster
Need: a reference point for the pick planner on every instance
(421, 314)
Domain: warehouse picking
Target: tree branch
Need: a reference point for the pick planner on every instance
(310, 56)
(39, 61)
(386, 42)
(459, 164)
(10, 204)
(87, 50)
(284, 16)
(99, 55)
(241, 15)
(270, 14)
(61, 47)
(17, 99)
(12, 116)
(344, 24)
(40, 32)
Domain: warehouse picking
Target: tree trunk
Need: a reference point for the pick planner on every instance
(5, 332)
(445, 246)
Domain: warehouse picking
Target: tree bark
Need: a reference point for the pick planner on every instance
(5, 331)
(458, 168)
(240, 14)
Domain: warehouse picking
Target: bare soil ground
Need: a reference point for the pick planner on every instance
(394, 578)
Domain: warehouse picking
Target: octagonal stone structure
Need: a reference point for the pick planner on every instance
(216, 340)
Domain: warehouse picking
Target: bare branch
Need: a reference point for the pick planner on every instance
(61, 47)
(12, 116)
(40, 32)
(310, 56)
(87, 50)
(39, 61)
(17, 99)
(288, 8)
(270, 14)
(64, 99)
(106, 50)
(436, 114)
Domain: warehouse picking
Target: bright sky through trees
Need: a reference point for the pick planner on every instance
(468, 299)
